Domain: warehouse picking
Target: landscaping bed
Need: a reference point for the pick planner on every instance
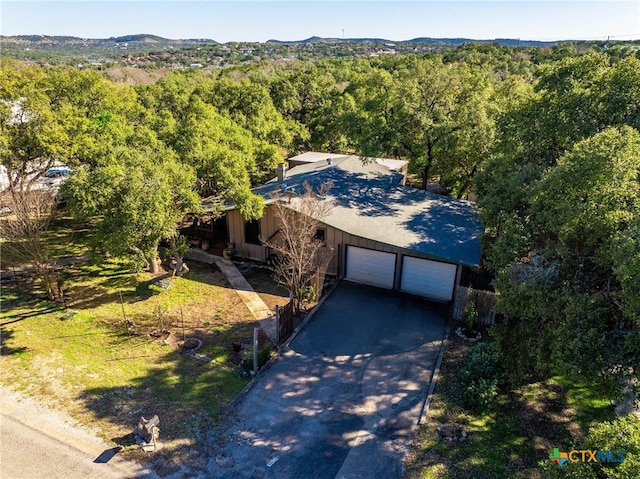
(272, 293)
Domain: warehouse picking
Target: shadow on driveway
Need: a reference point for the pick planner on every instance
(344, 399)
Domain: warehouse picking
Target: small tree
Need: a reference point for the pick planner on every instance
(300, 252)
(23, 232)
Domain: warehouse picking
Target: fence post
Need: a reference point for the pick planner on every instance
(255, 350)
(277, 325)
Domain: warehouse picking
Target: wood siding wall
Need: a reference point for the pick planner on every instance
(336, 239)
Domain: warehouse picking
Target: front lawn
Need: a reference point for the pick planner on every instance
(114, 353)
(511, 440)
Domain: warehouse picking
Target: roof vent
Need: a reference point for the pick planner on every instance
(328, 161)
(281, 171)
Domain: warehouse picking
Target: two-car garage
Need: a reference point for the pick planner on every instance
(423, 277)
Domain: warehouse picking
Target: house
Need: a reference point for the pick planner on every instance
(398, 166)
(381, 232)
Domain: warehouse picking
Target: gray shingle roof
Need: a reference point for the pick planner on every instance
(370, 203)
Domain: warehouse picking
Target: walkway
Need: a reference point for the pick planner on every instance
(266, 318)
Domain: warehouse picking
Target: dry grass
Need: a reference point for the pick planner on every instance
(107, 367)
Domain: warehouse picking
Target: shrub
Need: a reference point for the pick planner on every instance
(481, 376)
(622, 434)
(308, 294)
(264, 355)
(481, 394)
(470, 316)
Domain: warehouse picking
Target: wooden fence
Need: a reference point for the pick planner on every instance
(285, 322)
(484, 302)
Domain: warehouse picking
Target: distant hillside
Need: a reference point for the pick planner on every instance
(26, 46)
(152, 51)
(509, 42)
(435, 41)
(140, 38)
(329, 40)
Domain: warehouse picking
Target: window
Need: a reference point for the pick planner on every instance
(320, 235)
(252, 232)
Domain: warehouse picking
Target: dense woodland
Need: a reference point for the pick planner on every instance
(546, 139)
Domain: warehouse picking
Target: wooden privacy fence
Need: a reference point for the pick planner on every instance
(317, 282)
(285, 322)
(484, 302)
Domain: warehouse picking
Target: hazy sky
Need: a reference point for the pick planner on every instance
(241, 20)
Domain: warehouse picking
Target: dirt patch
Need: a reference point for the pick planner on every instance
(542, 412)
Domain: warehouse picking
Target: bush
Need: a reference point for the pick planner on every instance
(264, 355)
(481, 394)
(622, 434)
(482, 375)
(308, 294)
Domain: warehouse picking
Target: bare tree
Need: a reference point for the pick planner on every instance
(23, 233)
(301, 253)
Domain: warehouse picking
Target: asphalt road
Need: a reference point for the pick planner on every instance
(344, 400)
(29, 454)
(39, 442)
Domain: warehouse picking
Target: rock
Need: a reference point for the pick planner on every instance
(225, 462)
(452, 432)
(147, 430)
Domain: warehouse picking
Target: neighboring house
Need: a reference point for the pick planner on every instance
(382, 233)
(397, 166)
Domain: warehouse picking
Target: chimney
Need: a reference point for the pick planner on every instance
(329, 161)
(281, 172)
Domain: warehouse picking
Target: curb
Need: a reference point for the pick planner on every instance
(424, 413)
(57, 424)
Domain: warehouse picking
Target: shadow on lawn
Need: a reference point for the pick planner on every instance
(101, 284)
(26, 304)
(187, 393)
(5, 336)
(14, 318)
(509, 442)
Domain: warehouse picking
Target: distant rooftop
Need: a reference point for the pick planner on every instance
(316, 157)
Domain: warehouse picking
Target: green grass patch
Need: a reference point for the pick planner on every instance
(118, 356)
(588, 403)
(512, 439)
(65, 237)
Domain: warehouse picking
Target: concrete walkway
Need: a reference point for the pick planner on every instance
(249, 297)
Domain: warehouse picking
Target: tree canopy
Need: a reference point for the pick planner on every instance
(560, 200)
(546, 138)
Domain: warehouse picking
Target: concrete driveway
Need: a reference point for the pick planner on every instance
(344, 400)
